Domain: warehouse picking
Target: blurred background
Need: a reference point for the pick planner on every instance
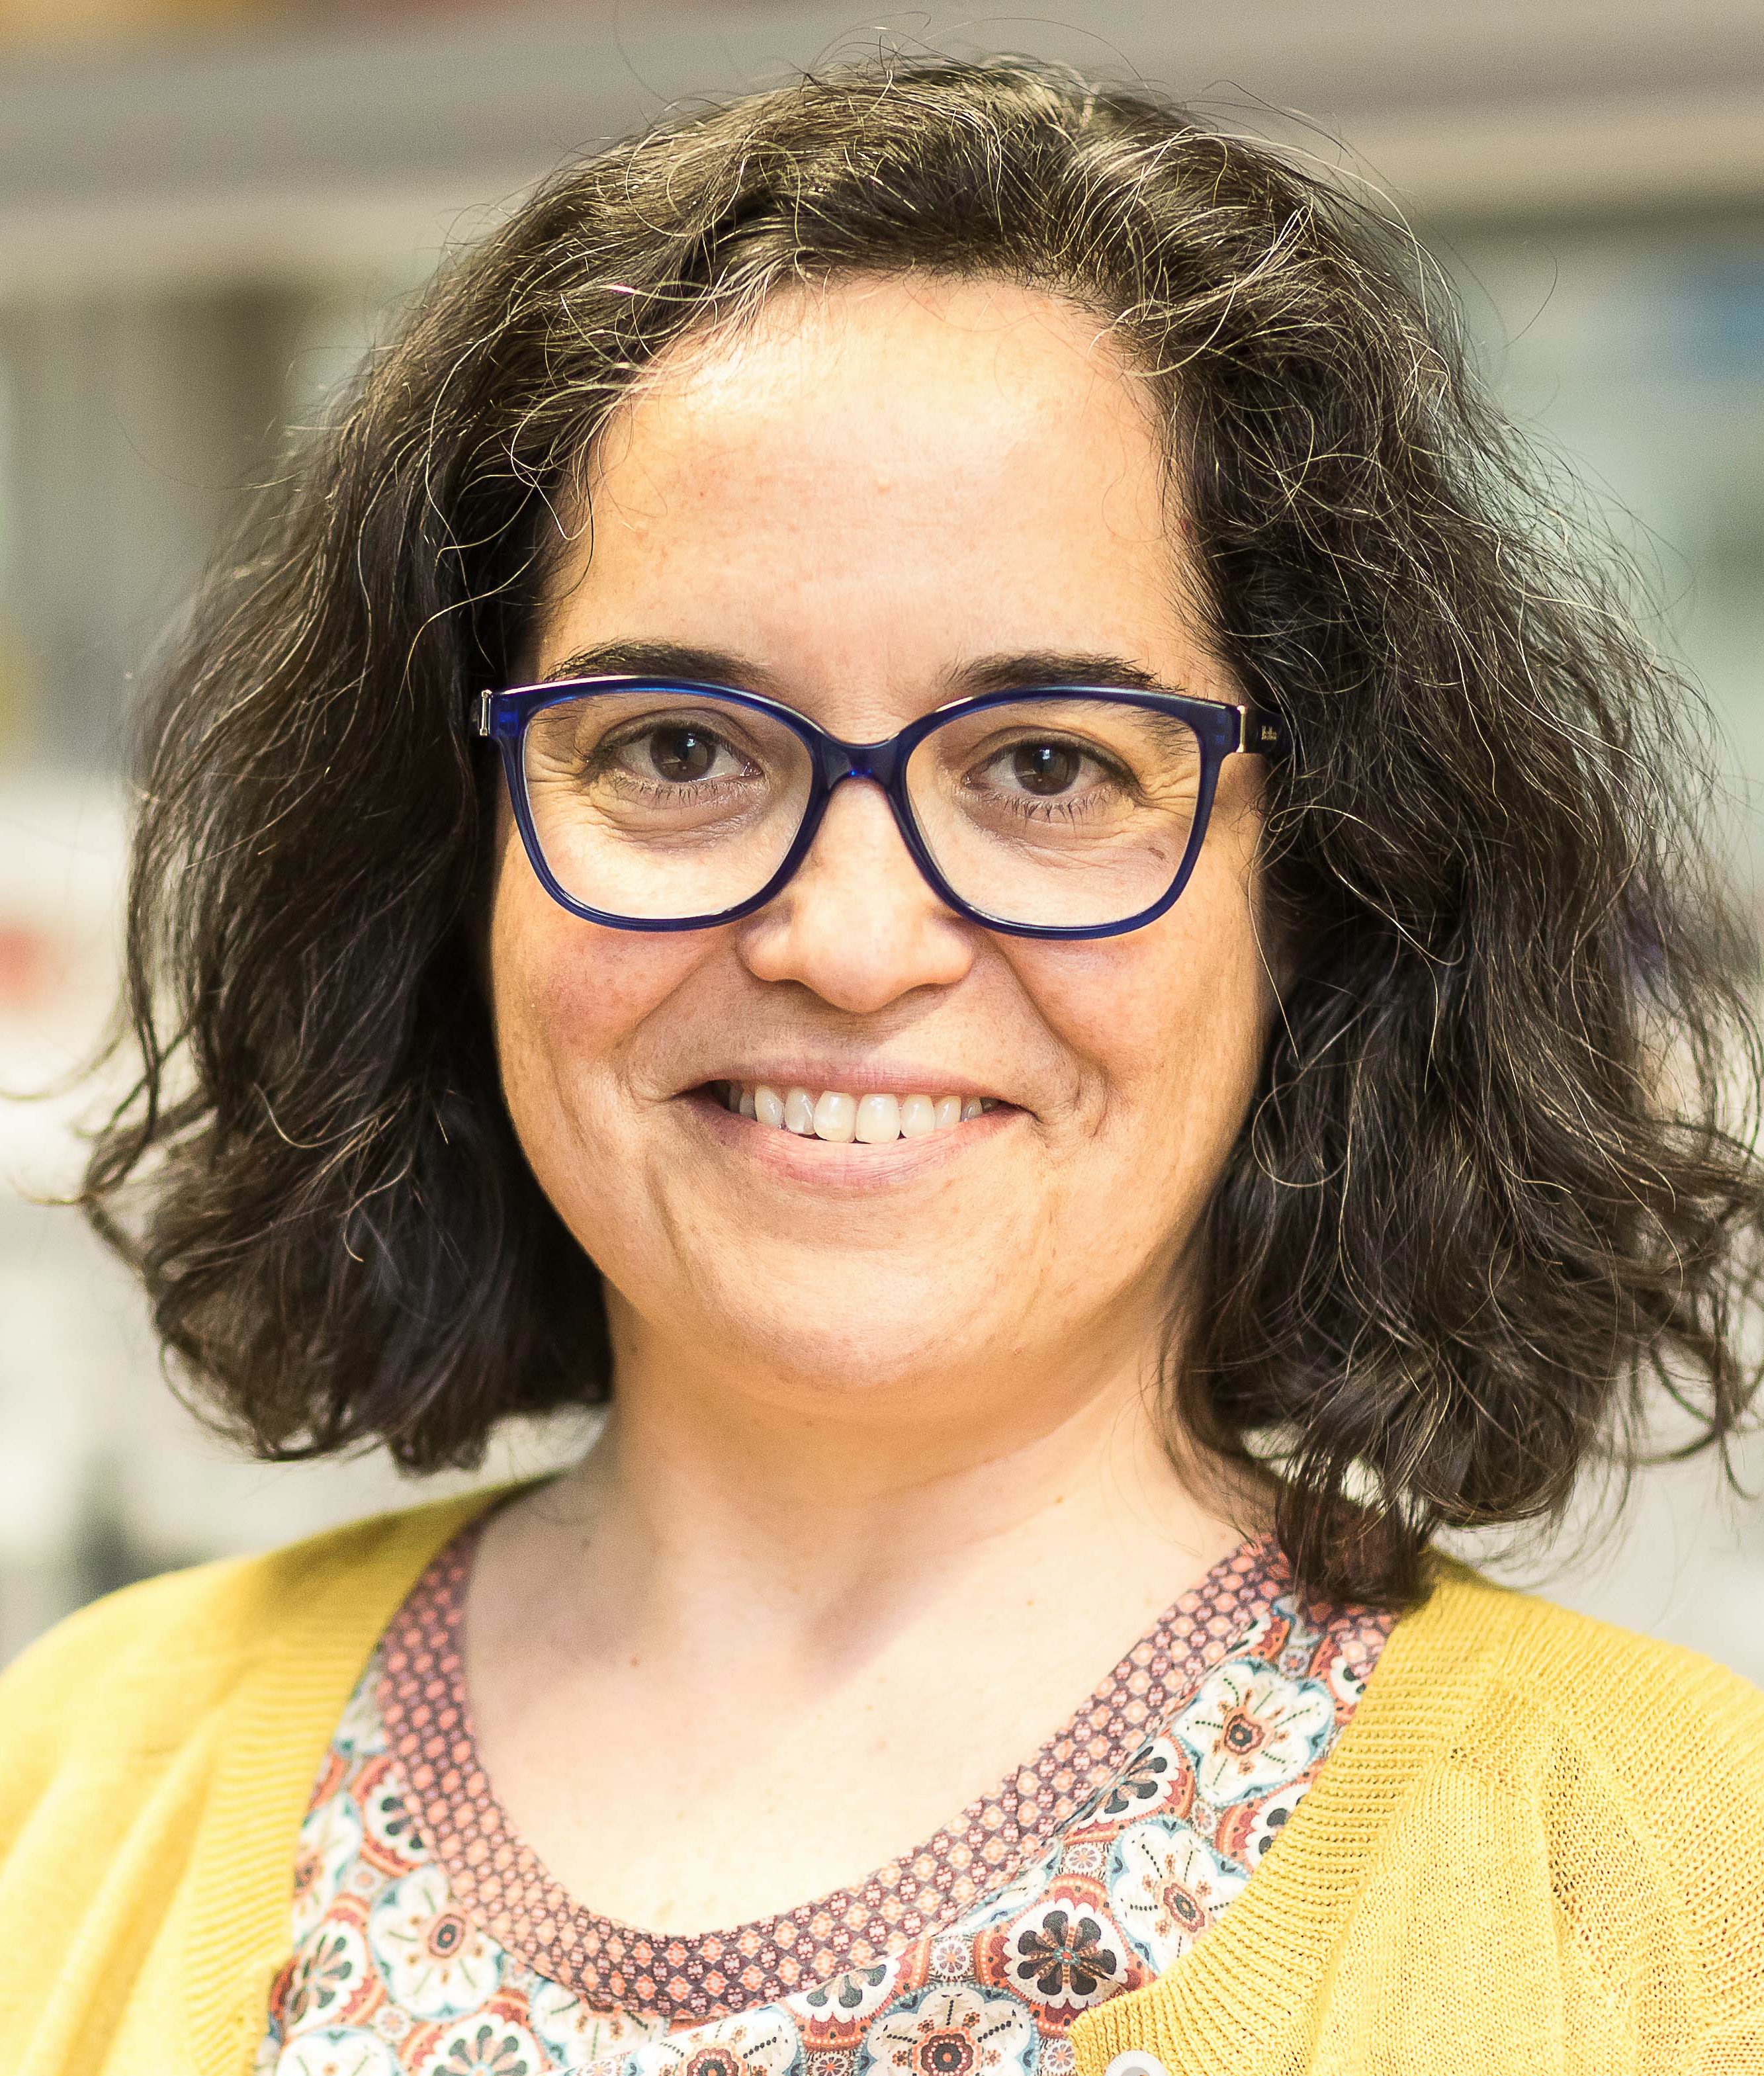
(209, 207)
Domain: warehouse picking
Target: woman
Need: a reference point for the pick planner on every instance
(909, 792)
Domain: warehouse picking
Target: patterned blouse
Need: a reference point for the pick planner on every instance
(429, 1939)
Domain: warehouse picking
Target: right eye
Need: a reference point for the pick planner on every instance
(679, 753)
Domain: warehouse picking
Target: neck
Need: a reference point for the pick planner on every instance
(714, 1518)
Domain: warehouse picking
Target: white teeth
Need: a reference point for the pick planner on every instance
(872, 1120)
(917, 1115)
(878, 1119)
(835, 1116)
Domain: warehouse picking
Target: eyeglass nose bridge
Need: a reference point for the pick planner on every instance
(883, 761)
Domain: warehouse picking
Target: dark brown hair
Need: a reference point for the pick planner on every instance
(1483, 1196)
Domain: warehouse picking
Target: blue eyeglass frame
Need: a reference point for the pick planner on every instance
(1222, 730)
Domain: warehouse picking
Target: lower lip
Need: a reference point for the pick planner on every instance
(847, 1165)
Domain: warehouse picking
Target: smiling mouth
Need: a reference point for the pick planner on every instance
(833, 1115)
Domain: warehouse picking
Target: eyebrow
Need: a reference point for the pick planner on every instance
(985, 674)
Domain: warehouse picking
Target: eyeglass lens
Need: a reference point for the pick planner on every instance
(658, 805)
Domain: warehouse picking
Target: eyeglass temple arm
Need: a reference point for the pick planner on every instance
(1262, 732)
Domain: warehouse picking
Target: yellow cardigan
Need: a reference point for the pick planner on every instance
(1537, 1847)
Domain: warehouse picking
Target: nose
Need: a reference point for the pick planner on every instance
(857, 922)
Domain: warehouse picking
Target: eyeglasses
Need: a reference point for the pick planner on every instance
(1062, 811)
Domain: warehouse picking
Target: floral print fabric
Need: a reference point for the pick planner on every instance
(428, 1939)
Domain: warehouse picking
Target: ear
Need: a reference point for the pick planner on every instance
(496, 819)
(1277, 934)
(1279, 953)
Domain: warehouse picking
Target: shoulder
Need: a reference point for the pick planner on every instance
(1657, 1713)
(143, 1666)
(1636, 1765)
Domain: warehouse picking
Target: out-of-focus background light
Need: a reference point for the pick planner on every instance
(209, 207)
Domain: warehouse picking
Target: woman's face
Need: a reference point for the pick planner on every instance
(872, 502)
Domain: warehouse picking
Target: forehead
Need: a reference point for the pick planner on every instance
(909, 383)
(871, 476)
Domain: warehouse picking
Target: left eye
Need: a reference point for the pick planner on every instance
(681, 753)
(1046, 768)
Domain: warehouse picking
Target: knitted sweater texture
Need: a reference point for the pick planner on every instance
(1538, 1847)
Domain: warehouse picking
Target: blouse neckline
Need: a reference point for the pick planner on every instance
(504, 1884)
(1223, 2005)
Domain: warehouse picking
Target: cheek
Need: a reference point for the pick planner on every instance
(1171, 1022)
(566, 996)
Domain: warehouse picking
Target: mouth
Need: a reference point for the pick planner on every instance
(840, 1117)
(853, 1143)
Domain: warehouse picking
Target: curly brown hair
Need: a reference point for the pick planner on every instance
(1485, 1196)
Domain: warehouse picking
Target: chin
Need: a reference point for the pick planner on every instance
(847, 1341)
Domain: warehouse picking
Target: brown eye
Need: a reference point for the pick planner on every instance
(681, 754)
(1045, 767)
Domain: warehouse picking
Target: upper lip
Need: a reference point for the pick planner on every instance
(892, 1079)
